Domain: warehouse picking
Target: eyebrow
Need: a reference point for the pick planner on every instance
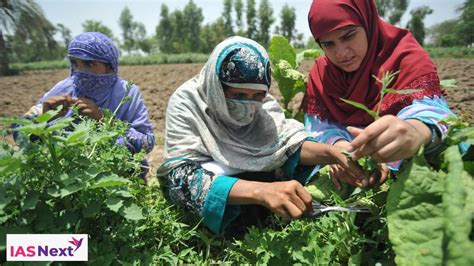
(348, 32)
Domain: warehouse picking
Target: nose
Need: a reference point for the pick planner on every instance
(341, 51)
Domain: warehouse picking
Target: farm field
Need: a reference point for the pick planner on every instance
(157, 83)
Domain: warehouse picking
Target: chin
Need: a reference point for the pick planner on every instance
(351, 68)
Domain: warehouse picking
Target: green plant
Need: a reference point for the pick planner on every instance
(285, 63)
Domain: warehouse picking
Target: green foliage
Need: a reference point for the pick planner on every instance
(265, 21)
(450, 52)
(429, 211)
(446, 33)
(251, 20)
(467, 22)
(133, 33)
(392, 10)
(287, 26)
(227, 16)
(416, 24)
(285, 64)
(97, 26)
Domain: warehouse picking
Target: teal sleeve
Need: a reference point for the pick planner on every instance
(216, 213)
(294, 170)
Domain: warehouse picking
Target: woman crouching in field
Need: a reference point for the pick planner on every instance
(94, 85)
(225, 137)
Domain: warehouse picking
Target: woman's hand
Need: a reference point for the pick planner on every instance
(287, 199)
(53, 102)
(89, 108)
(313, 153)
(389, 139)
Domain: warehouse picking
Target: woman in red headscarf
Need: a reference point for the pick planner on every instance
(358, 44)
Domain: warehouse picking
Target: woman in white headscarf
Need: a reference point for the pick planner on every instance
(222, 126)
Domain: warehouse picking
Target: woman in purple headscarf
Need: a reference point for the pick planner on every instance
(94, 85)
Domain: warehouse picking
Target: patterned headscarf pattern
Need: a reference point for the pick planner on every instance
(389, 49)
(243, 66)
(200, 127)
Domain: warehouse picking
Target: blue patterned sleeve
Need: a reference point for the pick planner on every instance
(324, 131)
(202, 193)
(429, 111)
(136, 140)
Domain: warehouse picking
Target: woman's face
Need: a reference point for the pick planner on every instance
(90, 66)
(244, 94)
(345, 47)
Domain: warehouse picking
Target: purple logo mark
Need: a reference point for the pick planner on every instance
(76, 243)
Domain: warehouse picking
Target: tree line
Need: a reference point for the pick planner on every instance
(181, 31)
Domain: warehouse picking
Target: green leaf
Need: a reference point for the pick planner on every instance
(132, 212)
(111, 181)
(448, 83)
(457, 221)
(70, 189)
(114, 204)
(281, 49)
(407, 91)
(361, 106)
(30, 200)
(59, 124)
(92, 209)
(102, 137)
(307, 54)
(45, 117)
(35, 129)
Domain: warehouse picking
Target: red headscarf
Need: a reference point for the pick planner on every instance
(389, 49)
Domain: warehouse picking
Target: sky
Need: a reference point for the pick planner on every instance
(72, 13)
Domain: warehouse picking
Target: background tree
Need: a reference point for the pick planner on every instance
(179, 32)
(65, 33)
(227, 15)
(445, 34)
(239, 21)
(10, 13)
(212, 34)
(288, 21)
(97, 26)
(392, 10)
(164, 31)
(126, 24)
(193, 19)
(133, 33)
(416, 25)
(265, 21)
(466, 27)
(251, 15)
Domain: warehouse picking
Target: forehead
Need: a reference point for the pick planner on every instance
(337, 33)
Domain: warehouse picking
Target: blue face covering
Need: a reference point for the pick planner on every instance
(93, 85)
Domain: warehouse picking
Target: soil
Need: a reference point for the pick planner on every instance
(158, 82)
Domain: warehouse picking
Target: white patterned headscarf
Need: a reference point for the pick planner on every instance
(200, 127)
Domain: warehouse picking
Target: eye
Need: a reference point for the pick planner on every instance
(259, 96)
(326, 44)
(239, 96)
